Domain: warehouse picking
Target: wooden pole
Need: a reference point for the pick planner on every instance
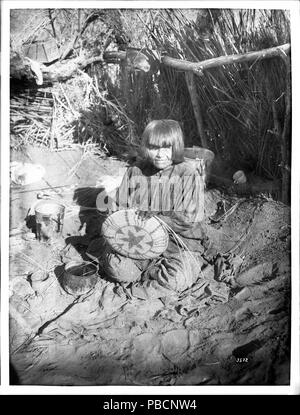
(190, 81)
(199, 67)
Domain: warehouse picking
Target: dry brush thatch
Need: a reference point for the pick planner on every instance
(243, 106)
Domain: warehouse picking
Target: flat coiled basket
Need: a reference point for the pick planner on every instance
(132, 236)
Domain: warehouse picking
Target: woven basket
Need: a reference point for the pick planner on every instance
(195, 154)
(134, 237)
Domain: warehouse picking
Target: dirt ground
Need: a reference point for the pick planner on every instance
(105, 338)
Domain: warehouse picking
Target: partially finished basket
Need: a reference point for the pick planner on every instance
(132, 236)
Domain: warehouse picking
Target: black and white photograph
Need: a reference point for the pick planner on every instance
(150, 199)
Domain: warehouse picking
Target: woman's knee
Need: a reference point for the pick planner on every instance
(178, 273)
(121, 269)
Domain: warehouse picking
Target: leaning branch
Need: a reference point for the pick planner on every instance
(199, 67)
(91, 18)
(62, 71)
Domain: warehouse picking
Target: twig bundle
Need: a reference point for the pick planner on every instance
(75, 114)
(30, 118)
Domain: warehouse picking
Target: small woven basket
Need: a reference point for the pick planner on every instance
(131, 236)
(200, 157)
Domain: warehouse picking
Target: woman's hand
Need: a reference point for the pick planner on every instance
(145, 214)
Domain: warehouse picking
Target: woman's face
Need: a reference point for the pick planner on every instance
(160, 157)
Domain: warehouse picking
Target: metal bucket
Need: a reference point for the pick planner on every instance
(79, 277)
(49, 217)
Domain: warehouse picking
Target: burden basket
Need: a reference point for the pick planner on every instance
(195, 153)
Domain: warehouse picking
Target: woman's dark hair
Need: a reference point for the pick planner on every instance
(163, 133)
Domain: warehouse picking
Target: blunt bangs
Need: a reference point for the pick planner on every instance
(160, 140)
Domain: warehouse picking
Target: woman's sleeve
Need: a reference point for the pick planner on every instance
(188, 199)
(126, 194)
(122, 193)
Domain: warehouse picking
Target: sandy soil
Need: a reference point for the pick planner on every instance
(106, 338)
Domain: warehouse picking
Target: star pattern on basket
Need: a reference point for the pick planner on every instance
(134, 239)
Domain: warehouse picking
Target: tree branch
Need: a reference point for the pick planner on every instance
(198, 67)
(52, 24)
(91, 18)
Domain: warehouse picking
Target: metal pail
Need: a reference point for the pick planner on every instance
(49, 217)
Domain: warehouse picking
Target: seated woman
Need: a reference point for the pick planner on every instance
(165, 185)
